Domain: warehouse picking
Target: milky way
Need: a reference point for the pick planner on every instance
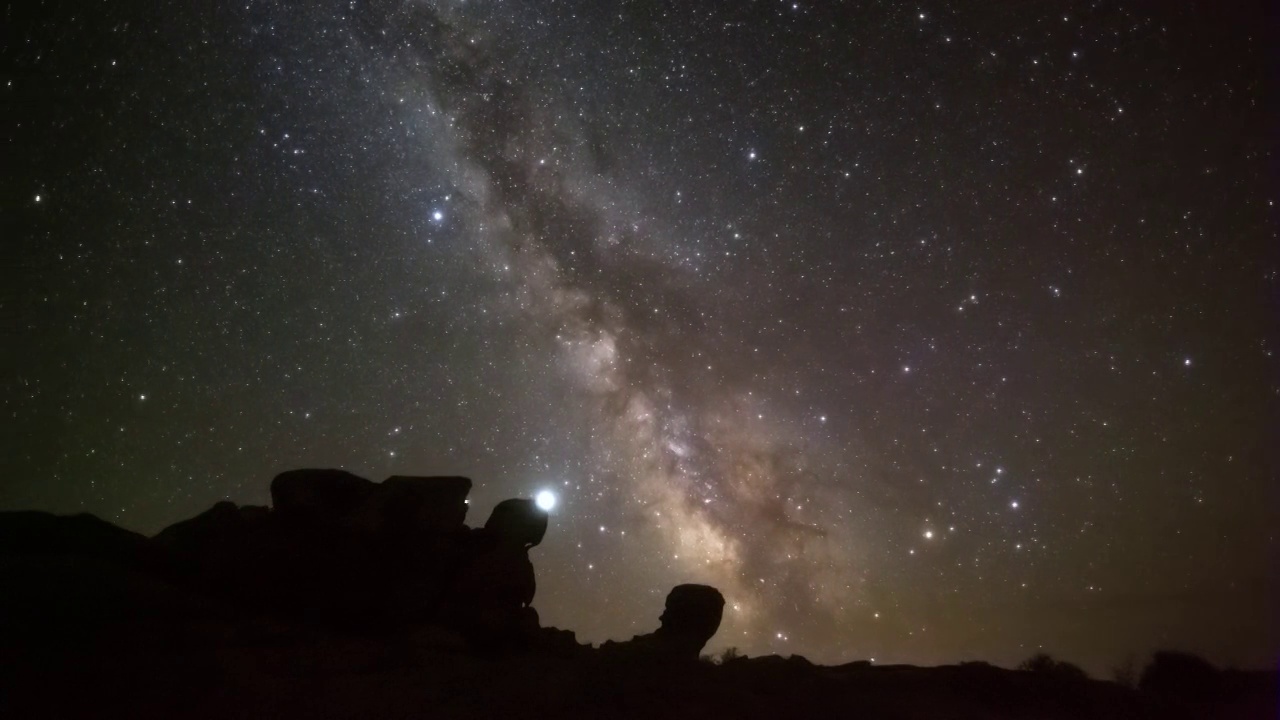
(718, 494)
(925, 333)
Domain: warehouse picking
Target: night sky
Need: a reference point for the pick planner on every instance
(926, 332)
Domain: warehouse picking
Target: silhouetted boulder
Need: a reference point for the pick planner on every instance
(499, 572)
(692, 613)
(518, 521)
(219, 524)
(399, 507)
(691, 617)
(230, 552)
(403, 506)
(492, 596)
(322, 497)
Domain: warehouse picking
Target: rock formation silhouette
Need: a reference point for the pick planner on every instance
(350, 598)
(691, 617)
(492, 595)
(347, 552)
(400, 507)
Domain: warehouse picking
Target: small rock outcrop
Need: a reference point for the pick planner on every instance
(690, 618)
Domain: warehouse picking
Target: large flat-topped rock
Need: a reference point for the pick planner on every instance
(402, 504)
(324, 496)
(405, 504)
(448, 487)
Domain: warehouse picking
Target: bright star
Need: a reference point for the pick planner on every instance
(545, 500)
(437, 216)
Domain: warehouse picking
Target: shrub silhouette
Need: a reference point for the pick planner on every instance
(1044, 665)
(1180, 675)
(726, 656)
(1126, 673)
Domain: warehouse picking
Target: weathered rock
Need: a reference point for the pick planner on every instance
(491, 599)
(213, 526)
(401, 507)
(322, 497)
(559, 642)
(228, 551)
(691, 617)
(499, 573)
(518, 521)
(692, 614)
(337, 551)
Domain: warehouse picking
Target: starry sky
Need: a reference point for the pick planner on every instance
(925, 331)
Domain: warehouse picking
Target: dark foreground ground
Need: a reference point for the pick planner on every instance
(97, 622)
(113, 644)
(213, 671)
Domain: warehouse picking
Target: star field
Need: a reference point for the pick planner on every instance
(924, 332)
